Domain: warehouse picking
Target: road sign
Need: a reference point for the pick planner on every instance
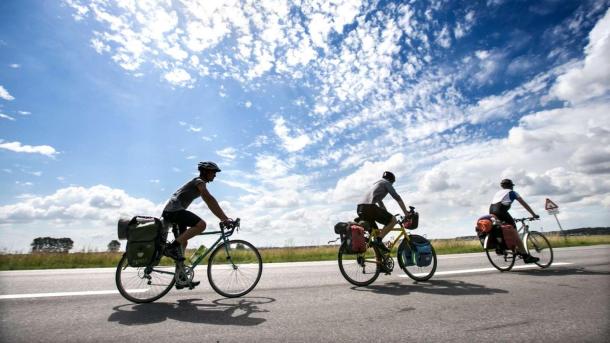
(550, 206)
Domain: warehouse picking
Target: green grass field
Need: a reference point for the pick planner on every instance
(292, 254)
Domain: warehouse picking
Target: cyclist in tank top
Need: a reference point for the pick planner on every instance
(175, 210)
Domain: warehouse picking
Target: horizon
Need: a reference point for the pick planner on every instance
(105, 110)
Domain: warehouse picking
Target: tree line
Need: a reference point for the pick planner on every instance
(62, 245)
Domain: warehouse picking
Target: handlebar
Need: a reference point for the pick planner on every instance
(528, 219)
(230, 224)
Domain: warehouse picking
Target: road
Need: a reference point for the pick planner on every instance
(310, 302)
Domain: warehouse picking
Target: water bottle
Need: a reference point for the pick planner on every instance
(199, 252)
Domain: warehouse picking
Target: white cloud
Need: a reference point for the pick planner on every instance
(592, 77)
(4, 94)
(291, 144)
(14, 66)
(7, 117)
(228, 153)
(178, 77)
(248, 104)
(39, 149)
(443, 38)
(24, 113)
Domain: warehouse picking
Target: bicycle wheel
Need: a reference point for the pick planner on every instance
(359, 269)
(234, 268)
(539, 246)
(143, 284)
(407, 260)
(502, 259)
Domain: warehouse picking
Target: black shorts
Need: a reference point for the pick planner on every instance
(183, 218)
(373, 213)
(501, 212)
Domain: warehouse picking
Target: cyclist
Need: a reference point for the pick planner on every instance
(175, 210)
(499, 207)
(372, 209)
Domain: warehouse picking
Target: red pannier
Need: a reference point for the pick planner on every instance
(511, 236)
(356, 242)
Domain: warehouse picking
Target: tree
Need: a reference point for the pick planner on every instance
(240, 246)
(114, 245)
(49, 244)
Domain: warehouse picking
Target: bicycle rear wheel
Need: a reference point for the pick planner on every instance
(407, 262)
(143, 284)
(539, 246)
(502, 259)
(234, 268)
(359, 269)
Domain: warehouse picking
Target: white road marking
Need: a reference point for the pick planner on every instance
(65, 294)
(477, 270)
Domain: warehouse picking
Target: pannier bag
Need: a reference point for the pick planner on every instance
(511, 236)
(423, 251)
(485, 224)
(357, 241)
(408, 255)
(143, 240)
(353, 236)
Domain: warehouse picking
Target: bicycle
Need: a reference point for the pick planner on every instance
(535, 244)
(364, 268)
(234, 268)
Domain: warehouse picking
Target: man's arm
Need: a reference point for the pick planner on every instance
(402, 206)
(526, 206)
(211, 202)
(398, 199)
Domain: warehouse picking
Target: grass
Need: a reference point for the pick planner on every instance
(291, 254)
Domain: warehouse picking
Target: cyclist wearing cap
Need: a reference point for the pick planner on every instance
(499, 207)
(372, 209)
(175, 210)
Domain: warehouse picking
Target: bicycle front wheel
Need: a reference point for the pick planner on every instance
(539, 246)
(234, 268)
(359, 269)
(143, 284)
(407, 260)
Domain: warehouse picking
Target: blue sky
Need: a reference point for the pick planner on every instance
(105, 109)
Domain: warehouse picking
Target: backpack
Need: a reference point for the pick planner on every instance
(353, 236)
(143, 240)
(422, 250)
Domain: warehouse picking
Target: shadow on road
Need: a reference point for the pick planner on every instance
(560, 272)
(224, 311)
(440, 287)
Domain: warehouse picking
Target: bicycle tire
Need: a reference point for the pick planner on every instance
(503, 262)
(354, 265)
(535, 244)
(413, 271)
(237, 263)
(134, 286)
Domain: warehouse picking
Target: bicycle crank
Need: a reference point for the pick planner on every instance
(184, 275)
(388, 264)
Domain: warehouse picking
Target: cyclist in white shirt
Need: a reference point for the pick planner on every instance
(499, 207)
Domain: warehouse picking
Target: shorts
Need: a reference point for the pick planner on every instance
(501, 212)
(373, 213)
(183, 218)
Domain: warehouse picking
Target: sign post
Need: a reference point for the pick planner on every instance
(553, 209)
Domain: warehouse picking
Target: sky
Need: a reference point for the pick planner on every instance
(106, 107)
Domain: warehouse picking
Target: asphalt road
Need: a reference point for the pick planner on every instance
(311, 302)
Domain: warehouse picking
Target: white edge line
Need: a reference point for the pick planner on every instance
(66, 294)
(477, 270)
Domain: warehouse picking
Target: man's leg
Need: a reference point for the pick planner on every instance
(386, 229)
(190, 233)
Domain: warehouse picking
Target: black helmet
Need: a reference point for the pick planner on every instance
(389, 176)
(207, 165)
(507, 183)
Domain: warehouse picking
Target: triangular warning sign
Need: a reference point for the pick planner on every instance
(549, 205)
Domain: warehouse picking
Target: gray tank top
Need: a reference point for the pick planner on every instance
(183, 197)
(379, 190)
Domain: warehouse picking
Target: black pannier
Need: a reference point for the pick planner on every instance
(143, 240)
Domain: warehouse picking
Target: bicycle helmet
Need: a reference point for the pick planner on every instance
(208, 165)
(507, 183)
(389, 176)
